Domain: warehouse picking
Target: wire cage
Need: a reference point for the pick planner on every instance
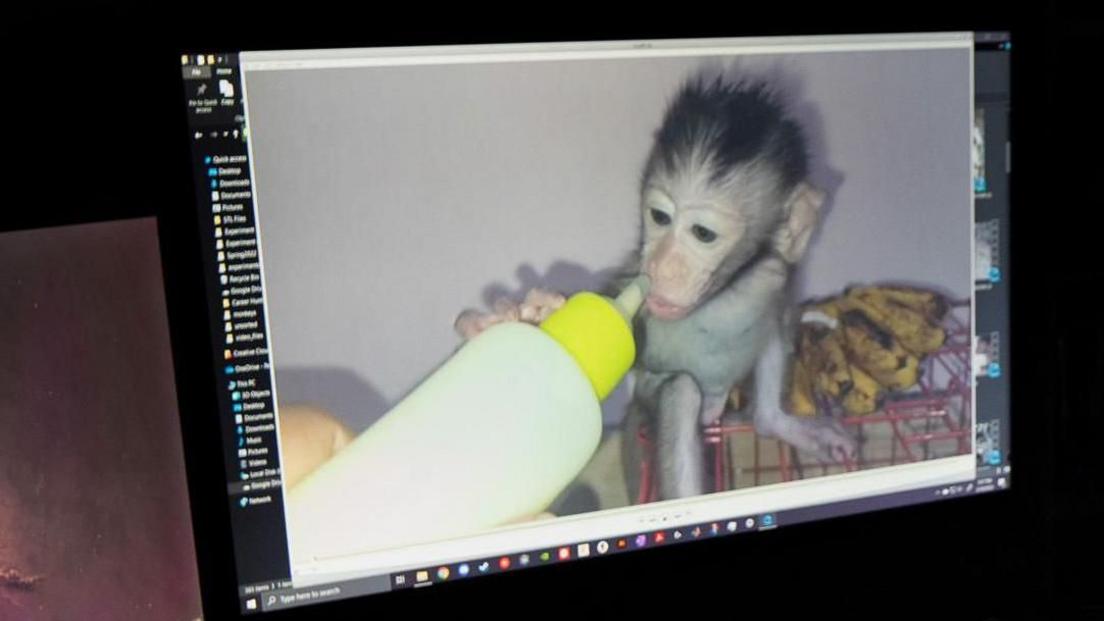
(929, 421)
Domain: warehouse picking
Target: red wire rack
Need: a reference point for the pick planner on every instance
(931, 420)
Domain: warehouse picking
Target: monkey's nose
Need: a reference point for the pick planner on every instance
(671, 270)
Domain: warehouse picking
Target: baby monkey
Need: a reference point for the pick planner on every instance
(726, 214)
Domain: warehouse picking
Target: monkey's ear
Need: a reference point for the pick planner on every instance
(803, 207)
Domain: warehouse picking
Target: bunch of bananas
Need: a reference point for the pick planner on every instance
(855, 347)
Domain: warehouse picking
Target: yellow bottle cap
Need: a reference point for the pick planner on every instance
(597, 332)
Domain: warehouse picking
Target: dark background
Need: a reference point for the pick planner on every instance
(93, 101)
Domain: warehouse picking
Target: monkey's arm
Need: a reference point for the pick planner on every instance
(676, 401)
(824, 437)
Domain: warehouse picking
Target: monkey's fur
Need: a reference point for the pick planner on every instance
(726, 214)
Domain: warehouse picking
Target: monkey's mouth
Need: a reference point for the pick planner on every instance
(662, 309)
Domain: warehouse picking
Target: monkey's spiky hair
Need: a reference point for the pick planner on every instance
(730, 124)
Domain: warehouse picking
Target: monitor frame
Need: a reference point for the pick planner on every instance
(645, 571)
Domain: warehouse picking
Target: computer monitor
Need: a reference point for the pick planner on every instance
(437, 358)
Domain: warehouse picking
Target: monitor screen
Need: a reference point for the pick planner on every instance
(487, 307)
(94, 509)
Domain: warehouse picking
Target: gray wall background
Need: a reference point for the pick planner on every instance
(391, 198)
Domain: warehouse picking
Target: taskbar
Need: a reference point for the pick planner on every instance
(991, 478)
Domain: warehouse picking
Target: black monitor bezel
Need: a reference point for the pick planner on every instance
(697, 565)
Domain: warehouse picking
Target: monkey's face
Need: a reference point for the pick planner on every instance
(697, 233)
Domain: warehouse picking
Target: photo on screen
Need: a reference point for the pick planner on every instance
(981, 186)
(987, 259)
(391, 199)
(94, 514)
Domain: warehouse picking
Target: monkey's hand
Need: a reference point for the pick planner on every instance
(537, 306)
(823, 437)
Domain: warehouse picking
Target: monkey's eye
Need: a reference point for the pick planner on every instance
(660, 218)
(703, 234)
